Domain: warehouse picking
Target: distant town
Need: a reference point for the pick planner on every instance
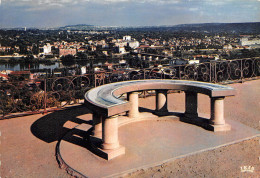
(108, 49)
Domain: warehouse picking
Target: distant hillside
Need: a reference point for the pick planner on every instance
(86, 27)
(250, 27)
(77, 27)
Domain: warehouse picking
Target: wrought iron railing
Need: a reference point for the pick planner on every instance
(42, 95)
(214, 72)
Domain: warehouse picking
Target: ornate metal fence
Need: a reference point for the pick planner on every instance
(28, 97)
(214, 72)
(42, 95)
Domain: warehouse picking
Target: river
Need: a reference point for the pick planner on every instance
(27, 66)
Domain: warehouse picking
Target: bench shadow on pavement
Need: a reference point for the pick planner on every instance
(50, 127)
(198, 121)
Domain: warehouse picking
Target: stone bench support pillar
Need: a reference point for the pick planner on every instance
(97, 125)
(161, 102)
(217, 120)
(110, 145)
(217, 111)
(191, 105)
(133, 99)
(110, 133)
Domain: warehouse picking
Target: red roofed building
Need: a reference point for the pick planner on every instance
(65, 52)
(82, 50)
(3, 76)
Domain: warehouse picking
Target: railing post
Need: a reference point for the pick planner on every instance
(210, 80)
(215, 72)
(241, 68)
(45, 96)
(144, 79)
(180, 72)
(103, 78)
(95, 80)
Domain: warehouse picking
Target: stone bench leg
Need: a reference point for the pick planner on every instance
(161, 102)
(110, 144)
(133, 99)
(217, 121)
(191, 105)
(97, 125)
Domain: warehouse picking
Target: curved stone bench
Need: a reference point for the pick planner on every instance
(105, 103)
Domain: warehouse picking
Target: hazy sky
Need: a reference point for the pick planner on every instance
(53, 13)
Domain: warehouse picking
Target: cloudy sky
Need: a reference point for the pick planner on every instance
(53, 13)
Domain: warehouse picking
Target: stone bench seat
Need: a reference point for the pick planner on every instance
(105, 98)
(105, 103)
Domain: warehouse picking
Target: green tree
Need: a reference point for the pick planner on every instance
(29, 58)
(68, 60)
(35, 49)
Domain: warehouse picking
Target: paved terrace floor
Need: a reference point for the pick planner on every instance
(28, 143)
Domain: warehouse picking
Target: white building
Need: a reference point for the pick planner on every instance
(122, 50)
(83, 70)
(228, 47)
(121, 44)
(127, 38)
(245, 41)
(127, 41)
(134, 44)
(194, 61)
(47, 48)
